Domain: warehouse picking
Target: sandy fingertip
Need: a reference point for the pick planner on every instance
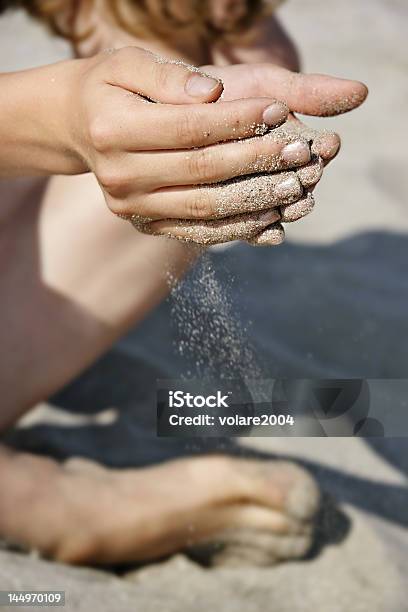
(298, 210)
(271, 236)
(275, 114)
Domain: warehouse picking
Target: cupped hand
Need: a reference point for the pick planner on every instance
(309, 94)
(316, 95)
(157, 150)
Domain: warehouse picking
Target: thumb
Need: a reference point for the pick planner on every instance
(308, 94)
(321, 95)
(162, 80)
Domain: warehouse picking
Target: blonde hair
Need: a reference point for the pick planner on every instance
(147, 18)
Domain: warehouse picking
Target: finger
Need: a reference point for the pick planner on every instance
(324, 143)
(161, 79)
(297, 210)
(323, 96)
(163, 126)
(327, 146)
(311, 174)
(272, 236)
(222, 162)
(310, 94)
(242, 227)
(238, 196)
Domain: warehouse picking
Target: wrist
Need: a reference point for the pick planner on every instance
(70, 117)
(36, 113)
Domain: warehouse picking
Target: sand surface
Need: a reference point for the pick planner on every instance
(330, 303)
(339, 580)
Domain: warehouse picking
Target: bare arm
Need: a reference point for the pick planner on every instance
(34, 122)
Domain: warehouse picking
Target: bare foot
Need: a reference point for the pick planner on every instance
(83, 513)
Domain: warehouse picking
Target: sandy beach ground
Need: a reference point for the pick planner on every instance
(329, 303)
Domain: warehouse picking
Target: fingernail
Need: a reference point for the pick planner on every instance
(311, 174)
(327, 145)
(298, 210)
(199, 85)
(275, 114)
(270, 216)
(271, 236)
(287, 187)
(297, 153)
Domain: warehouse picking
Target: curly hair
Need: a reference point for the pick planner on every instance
(145, 18)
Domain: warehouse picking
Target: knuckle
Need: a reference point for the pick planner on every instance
(120, 61)
(113, 61)
(124, 53)
(119, 56)
(112, 181)
(118, 207)
(188, 129)
(163, 77)
(101, 134)
(202, 166)
(257, 158)
(200, 206)
(134, 207)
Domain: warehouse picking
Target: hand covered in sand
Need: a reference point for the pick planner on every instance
(309, 94)
(278, 196)
(313, 94)
(161, 162)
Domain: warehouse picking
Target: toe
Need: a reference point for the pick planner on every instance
(303, 497)
(249, 547)
(283, 486)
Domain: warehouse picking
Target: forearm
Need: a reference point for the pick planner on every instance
(35, 121)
